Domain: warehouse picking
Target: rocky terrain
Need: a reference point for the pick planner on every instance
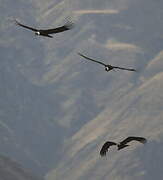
(10, 169)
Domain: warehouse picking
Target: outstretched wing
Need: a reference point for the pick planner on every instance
(133, 138)
(66, 27)
(92, 59)
(27, 27)
(105, 147)
(128, 69)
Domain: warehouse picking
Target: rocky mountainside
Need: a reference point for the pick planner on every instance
(57, 109)
(28, 132)
(10, 169)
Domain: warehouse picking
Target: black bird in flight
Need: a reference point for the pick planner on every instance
(121, 145)
(46, 32)
(108, 67)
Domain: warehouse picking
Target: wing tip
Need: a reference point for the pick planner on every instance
(144, 141)
(133, 69)
(140, 139)
(69, 25)
(102, 154)
(79, 53)
(16, 21)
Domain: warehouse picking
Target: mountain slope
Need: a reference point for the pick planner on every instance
(10, 169)
(138, 113)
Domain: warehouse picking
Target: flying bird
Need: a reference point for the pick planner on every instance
(108, 67)
(120, 145)
(47, 32)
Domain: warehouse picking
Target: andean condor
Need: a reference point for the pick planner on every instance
(46, 32)
(121, 145)
(108, 67)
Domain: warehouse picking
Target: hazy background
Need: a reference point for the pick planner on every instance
(57, 110)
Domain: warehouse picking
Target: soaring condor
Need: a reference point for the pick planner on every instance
(120, 145)
(108, 67)
(46, 32)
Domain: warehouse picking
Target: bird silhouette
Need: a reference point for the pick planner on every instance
(108, 67)
(121, 145)
(46, 32)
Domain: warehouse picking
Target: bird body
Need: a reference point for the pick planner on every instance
(46, 32)
(121, 146)
(108, 67)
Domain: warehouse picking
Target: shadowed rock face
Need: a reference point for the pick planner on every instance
(10, 169)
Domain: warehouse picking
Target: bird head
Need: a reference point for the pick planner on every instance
(37, 33)
(108, 68)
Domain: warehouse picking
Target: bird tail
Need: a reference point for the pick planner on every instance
(47, 35)
(15, 21)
